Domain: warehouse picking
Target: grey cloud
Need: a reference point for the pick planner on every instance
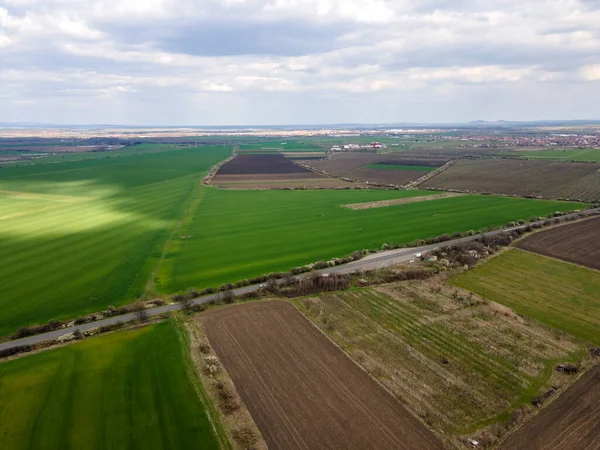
(236, 38)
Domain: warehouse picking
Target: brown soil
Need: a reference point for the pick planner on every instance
(570, 422)
(578, 243)
(353, 166)
(279, 181)
(400, 201)
(547, 179)
(212, 374)
(260, 164)
(302, 391)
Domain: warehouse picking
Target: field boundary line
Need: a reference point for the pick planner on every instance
(546, 404)
(193, 202)
(208, 178)
(360, 366)
(186, 332)
(556, 259)
(430, 175)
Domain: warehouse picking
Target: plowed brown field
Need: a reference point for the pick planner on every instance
(578, 243)
(270, 171)
(547, 179)
(572, 422)
(302, 391)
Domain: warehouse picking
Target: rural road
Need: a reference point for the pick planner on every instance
(374, 261)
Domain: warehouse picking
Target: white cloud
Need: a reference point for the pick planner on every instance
(147, 52)
(590, 72)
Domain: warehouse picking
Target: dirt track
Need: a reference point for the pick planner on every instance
(578, 243)
(571, 422)
(301, 390)
(400, 201)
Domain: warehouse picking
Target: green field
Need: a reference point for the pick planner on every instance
(240, 234)
(141, 149)
(77, 237)
(126, 390)
(587, 155)
(398, 167)
(556, 293)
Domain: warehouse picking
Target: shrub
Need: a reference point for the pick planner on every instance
(15, 350)
(226, 287)
(320, 265)
(228, 296)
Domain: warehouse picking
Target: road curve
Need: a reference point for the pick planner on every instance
(370, 262)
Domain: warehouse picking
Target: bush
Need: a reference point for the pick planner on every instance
(208, 291)
(228, 296)
(226, 287)
(15, 350)
(320, 265)
(114, 326)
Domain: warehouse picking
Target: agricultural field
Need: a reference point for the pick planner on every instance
(269, 171)
(396, 169)
(583, 155)
(130, 389)
(571, 422)
(384, 165)
(547, 179)
(456, 361)
(559, 294)
(578, 243)
(73, 155)
(301, 390)
(77, 237)
(235, 235)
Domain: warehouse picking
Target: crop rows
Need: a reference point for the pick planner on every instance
(91, 233)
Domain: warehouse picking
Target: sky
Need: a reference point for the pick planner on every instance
(252, 62)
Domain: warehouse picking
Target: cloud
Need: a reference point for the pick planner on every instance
(260, 55)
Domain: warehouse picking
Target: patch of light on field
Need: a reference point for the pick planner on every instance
(60, 220)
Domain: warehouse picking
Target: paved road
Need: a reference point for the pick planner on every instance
(370, 262)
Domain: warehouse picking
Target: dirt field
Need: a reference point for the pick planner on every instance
(270, 171)
(301, 390)
(455, 360)
(578, 243)
(309, 180)
(547, 179)
(353, 166)
(254, 164)
(571, 422)
(399, 201)
(342, 164)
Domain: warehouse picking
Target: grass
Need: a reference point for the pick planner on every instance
(124, 390)
(77, 237)
(559, 294)
(399, 167)
(235, 235)
(586, 155)
(457, 362)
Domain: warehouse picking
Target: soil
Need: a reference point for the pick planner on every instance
(341, 164)
(260, 164)
(302, 391)
(400, 201)
(308, 180)
(353, 166)
(570, 422)
(578, 243)
(546, 179)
